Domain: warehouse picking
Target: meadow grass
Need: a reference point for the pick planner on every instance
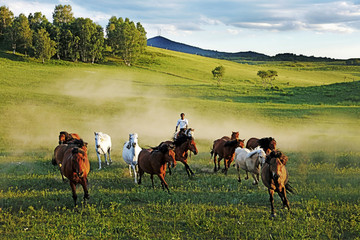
(313, 113)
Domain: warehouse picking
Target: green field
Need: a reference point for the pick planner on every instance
(313, 111)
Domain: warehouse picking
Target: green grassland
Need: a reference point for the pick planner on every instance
(313, 111)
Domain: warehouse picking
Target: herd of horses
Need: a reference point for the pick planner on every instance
(258, 157)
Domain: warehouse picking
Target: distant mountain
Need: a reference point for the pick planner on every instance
(161, 42)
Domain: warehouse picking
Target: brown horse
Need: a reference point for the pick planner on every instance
(182, 145)
(153, 161)
(65, 137)
(275, 177)
(60, 150)
(76, 167)
(225, 150)
(234, 135)
(268, 144)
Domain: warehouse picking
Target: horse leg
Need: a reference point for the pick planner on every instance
(86, 193)
(109, 156)
(130, 171)
(215, 169)
(163, 183)
(135, 175)
(73, 189)
(106, 159)
(141, 173)
(271, 193)
(188, 169)
(99, 158)
(247, 175)
(219, 159)
(284, 199)
(152, 181)
(169, 167)
(226, 166)
(238, 171)
(255, 180)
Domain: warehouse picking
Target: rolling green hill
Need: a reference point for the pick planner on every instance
(313, 111)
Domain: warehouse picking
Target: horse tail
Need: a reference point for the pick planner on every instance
(289, 188)
(53, 161)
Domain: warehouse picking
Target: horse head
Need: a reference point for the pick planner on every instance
(277, 161)
(189, 132)
(192, 145)
(234, 135)
(63, 137)
(261, 156)
(133, 139)
(78, 162)
(170, 157)
(272, 144)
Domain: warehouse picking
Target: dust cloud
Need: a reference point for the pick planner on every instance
(150, 111)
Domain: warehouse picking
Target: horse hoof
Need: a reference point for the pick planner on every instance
(239, 180)
(273, 215)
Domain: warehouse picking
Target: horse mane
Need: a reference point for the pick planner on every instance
(67, 135)
(277, 154)
(181, 139)
(251, 154)
(163, 147)
(78, 142)
(77, 150)
(265, 142)
(231, 143)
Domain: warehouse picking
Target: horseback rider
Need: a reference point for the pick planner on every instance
(183, 123)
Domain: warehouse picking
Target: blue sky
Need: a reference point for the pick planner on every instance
(320, 28)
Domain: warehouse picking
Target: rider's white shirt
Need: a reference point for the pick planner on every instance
(182, 123)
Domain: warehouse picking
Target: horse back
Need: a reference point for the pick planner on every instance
(252, 143)
(75, 136)
(226, 138)
(151, 161)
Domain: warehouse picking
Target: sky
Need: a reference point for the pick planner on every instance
(320, 28)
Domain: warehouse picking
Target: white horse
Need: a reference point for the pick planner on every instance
(249, 161)
(131, 152)
(103, 146)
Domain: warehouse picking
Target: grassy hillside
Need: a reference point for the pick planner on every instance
(313, 111)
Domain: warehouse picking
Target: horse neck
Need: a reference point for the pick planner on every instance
(182, 149)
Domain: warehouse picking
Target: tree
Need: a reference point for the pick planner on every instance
(21, 34)
(126, 39)
(6, 20)
(267, 76)
(37, 21)
(44, 46)
(218, 73)
(62, 15)
(91, 39)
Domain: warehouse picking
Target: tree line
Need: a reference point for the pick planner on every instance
(70, 38)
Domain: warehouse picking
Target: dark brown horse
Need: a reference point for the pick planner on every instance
(182, 145)
(60, 150)
(234, 135)
(275, 177)
(153, 161)
(65, 137)
(268, 144)
(76, 167)
(225, 150)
